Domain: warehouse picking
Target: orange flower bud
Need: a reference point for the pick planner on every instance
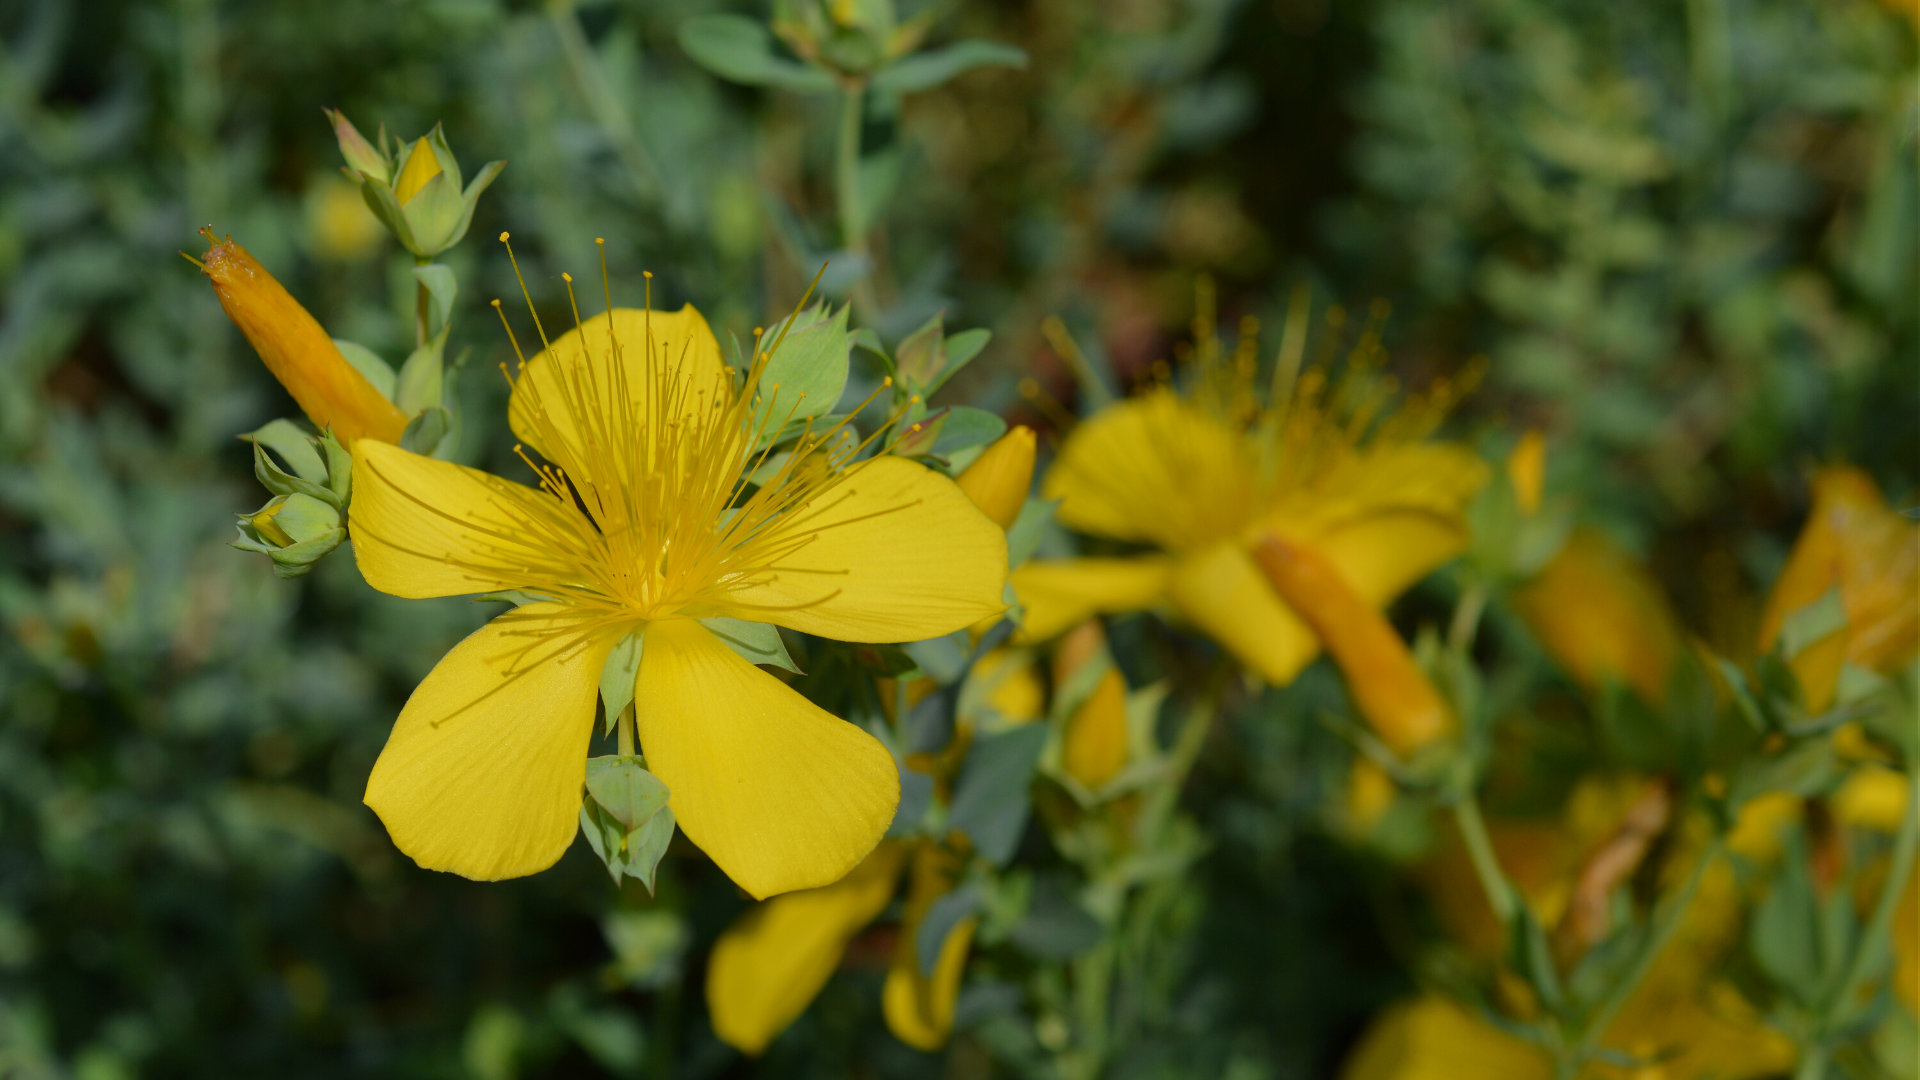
(1601, 615)
(1392, 694)
(998, 480)
(298, 351)
(1527, 470)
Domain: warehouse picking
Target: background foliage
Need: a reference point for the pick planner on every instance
(1683, 234)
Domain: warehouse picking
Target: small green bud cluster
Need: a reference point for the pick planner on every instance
(306, 518)
(413, 188)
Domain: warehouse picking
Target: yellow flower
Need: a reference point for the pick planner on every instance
(919, 1008)
(1095, 745)
(1527, 470)
(998, 479)
(770, 964)
(1393, 696)
(339, 225)
(644, 524)
(1600, 615)
(1202, 475)
(298, 351)
(1855, 543)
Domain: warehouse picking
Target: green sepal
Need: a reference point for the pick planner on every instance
(434, 213)
(624, 788)
(471, 198)
(369, 364)
(282, 483)
(421, 376)
(917, 439)
(292, 562)
(294, 446)
(627, 852)
(443, 154)
(305, 518)
(758, 643)
(515, 597)
(362, 156)
(618, 675)
(922, 355)
(380, 199)
(965, 428)
(339, 467)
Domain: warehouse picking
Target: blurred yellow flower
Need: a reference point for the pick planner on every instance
(1201, 475)
(1601, 616)
(644, 524)
(1095, 745)
(919, 1007)
(771, 963)
(1527, 470)
(1855, 543)
(297, 351)
(339, 225)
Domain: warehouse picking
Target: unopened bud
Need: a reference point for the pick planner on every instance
(422, 165)
(1600, 615)
(1095, 747)
(1391, 693)
(1527, 470)
(362, 156)
(999, 479)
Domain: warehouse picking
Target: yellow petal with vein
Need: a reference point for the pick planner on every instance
(1154, 468)
(1058, 594)
(771, 963)
(780, 793)
(482, 773)
(668, 354)
(431, 528)
(1227, 597)
(895, 552)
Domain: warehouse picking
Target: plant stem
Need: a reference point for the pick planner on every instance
(1473, 830)
(1665, 923)
(1813, 1061)
(1466, 618)
(422, 307)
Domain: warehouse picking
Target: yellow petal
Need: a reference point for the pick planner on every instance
(1854, 541)
(1601, 615)
(1872, 798)
(1381, 555)
(422, 165)
(771, 963)
(1392, 695)
(483, 771)
(1225, 595)
(1058, 594)
(998, 480)
(298, 352)
(431, 528)
(1432, 1038)
(1527, 470)
(1095, 746)
(1008, 682)
(919, 1010)
(894, 552)
(1154, 468)
(780, 793)
(668, 355)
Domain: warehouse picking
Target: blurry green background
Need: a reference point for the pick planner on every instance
(1684, 235)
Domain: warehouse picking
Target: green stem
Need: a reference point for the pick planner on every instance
(422, 307)
(1473, 830)
(1466, 618)
(1813, 1061)
(1665, 923)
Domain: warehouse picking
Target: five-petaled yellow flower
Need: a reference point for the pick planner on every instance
(1204, 475)
(645, 522)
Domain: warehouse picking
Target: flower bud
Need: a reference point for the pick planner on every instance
(421, 167)
(1527, 470)
(295, 531)
(1391, 693)
(298, 351)
(1095, 746)
(999, 479)
(1600, 615)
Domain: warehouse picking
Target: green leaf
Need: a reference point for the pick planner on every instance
(1812, 624)
(471, 198)
(617, 677)
(922, 356)
(739, 49)
(625, 789)
(967, 427)
(759, 643)
(944, 659)
(961, 348)
(1782, 935)
(1805, 768)
(991, 799)
(281, 483)
(380, 200)
(434, 214)
(369, 364)
(647, 844)
(1529, 954)
(805, 375)
(1056, 926)
(426, 429)
(441, 289)
(1028, 528)
(942, 916)
(421, 377)
(294, 446)
(926, 70)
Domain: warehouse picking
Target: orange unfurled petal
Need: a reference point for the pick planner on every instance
(1394, 698)
(298, 351)
(1527, 470)
(1854, 542)
(1095, 747)
(1600, 615)
(421, 167)
(919, 1009)
(998, 480)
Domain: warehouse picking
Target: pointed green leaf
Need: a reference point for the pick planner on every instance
(961, 349)
(1812, 624)
(426, 429)
(966, 428)
(369, 364)
(616, 678)
(926, 70)
(805, 375)
(647, 844)
(294, 446)
(380, 199)
(759, 643)
(739, 49)
(625, 789)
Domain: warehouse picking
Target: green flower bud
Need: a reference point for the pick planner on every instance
(415, 190)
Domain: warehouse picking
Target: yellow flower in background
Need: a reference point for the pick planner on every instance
(919, 1007)
(1201, 475)
(298, 351)
(1854, 543)
(1527, 470)
(339, 225)
(643, 523)
(1094, 747)
(1601, 615)
(771, 963)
